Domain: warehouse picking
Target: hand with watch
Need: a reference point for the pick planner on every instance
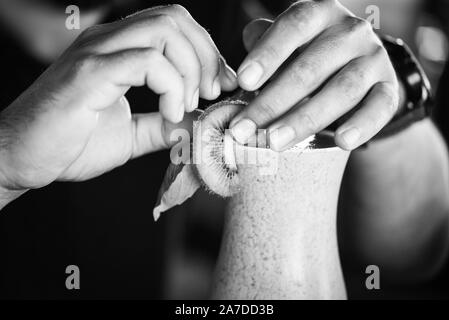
(318, 66)
(415, 92)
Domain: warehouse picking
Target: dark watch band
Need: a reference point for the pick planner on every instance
(418, 102)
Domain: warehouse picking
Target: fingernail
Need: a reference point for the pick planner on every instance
(216, 88)
(281, 137)
(195, 97)
(243, 130)
(350, 136)
(251, 74)
(230, 73)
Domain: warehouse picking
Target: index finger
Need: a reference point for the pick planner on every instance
(296, 26)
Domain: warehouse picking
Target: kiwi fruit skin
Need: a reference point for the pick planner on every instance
(218, 105)
(215, 175)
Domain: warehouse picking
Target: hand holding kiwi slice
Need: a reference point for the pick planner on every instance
(209, 166)
(213, 159)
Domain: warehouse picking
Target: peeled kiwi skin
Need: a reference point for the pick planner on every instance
(208, 151)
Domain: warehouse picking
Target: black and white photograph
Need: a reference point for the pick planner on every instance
(224, 156)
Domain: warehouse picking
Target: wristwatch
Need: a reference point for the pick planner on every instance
(418, 101)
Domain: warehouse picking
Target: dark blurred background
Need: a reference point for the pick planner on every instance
(105, 226)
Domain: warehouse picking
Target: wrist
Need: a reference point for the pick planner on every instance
(8, 195)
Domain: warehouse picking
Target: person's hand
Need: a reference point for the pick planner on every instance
(336, 64)
(74, 122)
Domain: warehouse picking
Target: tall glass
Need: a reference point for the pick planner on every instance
(280, 236)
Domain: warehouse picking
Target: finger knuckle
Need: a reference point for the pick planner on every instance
(359, 26)
(298, 15)
(380, 52)
(164, 20)
(179, 10)
(302, 73)
(332, 40)
(382, 59)
(297, 10)
(391, 98)
(266, 111)
(85, 65)
(352, 82)
(309, 121)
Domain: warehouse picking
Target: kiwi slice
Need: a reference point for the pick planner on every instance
(213, 148)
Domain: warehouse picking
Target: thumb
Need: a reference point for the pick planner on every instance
(254, 31)
(152, 132)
